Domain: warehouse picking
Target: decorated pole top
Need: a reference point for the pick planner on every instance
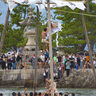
(43, 3)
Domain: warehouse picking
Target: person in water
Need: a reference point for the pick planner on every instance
(23, 94)
(49, 86)
(60, 94)
(1, 94)
(66, 94)
(13, 94)
(72, 94)
(31, 94)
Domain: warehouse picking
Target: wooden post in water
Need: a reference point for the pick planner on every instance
(88, 44)
(4, 31)
(50, 49)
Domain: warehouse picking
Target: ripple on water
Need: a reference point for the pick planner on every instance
(78, 92)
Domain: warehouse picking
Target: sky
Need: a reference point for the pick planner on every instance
(3, 10)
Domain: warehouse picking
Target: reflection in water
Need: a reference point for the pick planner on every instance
(78, 92)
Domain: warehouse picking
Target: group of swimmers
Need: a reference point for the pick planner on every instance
(39, 94)
(47, 93)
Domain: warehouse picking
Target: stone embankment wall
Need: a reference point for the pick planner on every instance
(25, 78)
(20, 78)
(83, 78)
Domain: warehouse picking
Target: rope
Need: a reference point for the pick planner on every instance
(76, 13)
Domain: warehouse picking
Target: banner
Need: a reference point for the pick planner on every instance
(56, 3)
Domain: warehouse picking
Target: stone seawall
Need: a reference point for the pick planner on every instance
(25, 78)
(83, 78)
(20, 78)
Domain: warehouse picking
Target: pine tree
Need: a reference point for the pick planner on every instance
(15, 32)
(0, 14)
(72, 34)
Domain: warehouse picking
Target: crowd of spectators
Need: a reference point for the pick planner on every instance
(68, 62)
(11, 60)
(61, 63)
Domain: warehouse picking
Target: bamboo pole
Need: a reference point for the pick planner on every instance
(50, 48)
(4, 31)
(88, 44)
(36, 53)
(37, 31)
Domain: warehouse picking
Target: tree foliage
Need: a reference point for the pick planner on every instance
(14, 36)
(72, 35)
(0, 14)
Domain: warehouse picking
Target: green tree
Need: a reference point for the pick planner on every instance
(72, 34)
(1, 28)
(4, 31)
(14, 34)
(0, 14)
(19, 13)
(91, 21)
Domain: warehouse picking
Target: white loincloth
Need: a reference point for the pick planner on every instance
(43, 40)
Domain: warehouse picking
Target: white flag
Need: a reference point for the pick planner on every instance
(58, 3)
(71, 4)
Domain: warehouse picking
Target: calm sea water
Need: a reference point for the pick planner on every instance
(78, 92)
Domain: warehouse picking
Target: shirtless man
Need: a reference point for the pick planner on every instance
(44, 35)
(24, 92)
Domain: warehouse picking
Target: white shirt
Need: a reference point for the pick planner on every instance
(42, 57)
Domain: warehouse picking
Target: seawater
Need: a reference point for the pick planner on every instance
(78, 92)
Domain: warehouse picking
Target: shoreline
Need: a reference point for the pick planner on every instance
(18, 79)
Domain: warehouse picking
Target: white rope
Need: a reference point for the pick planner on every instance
(77, 13)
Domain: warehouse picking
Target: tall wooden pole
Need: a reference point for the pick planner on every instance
(37, 31)
(50, 49)
(4, 31)
(36, 53)
(88, 44)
